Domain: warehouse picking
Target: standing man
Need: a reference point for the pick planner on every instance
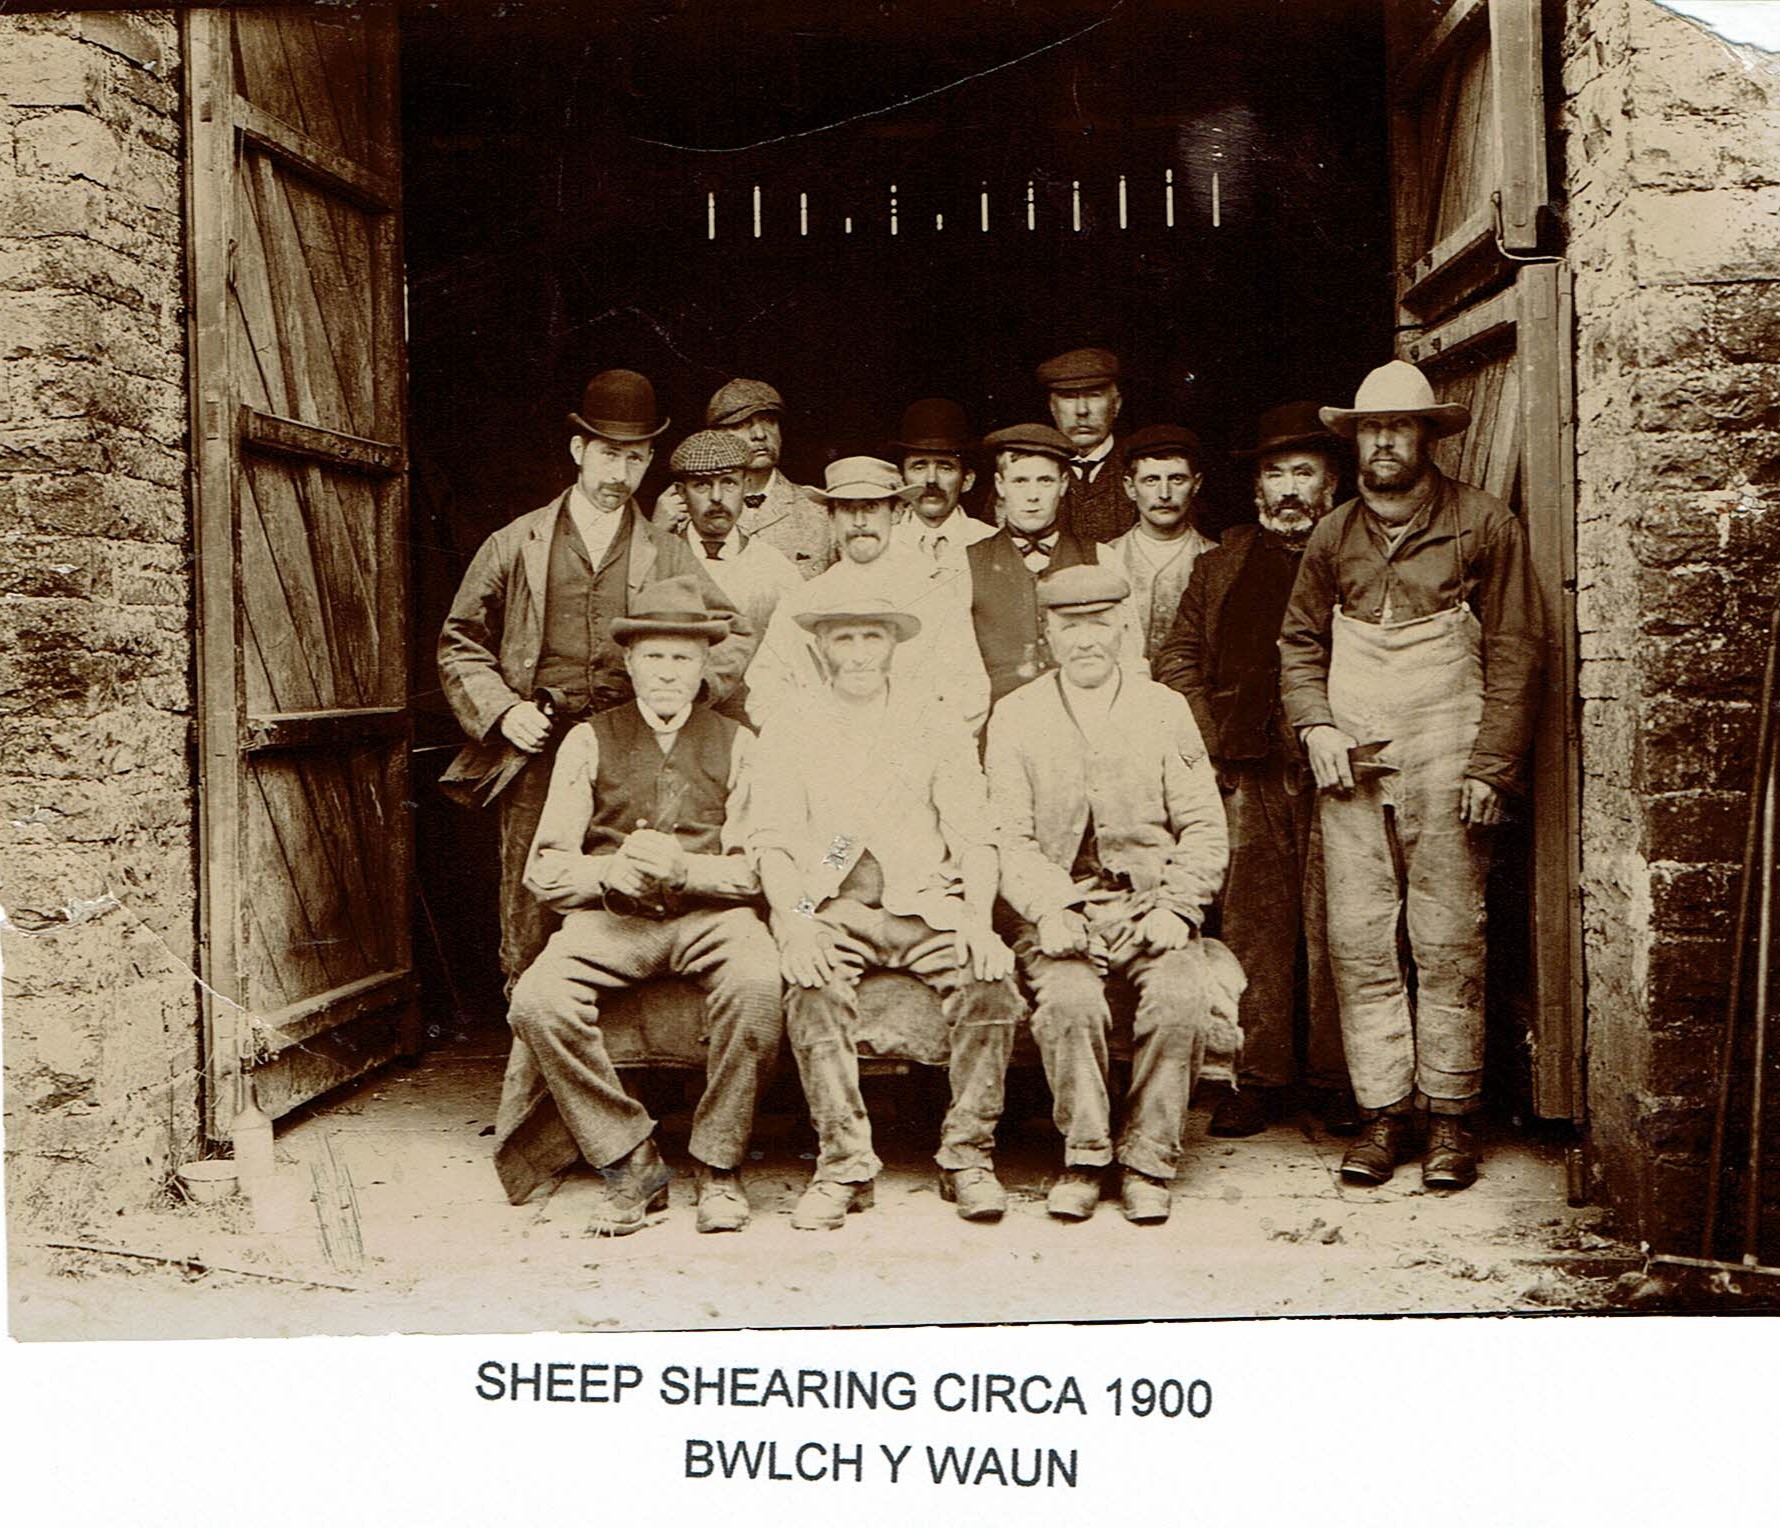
(1112, 846)
(639, 849)
(1222, 654)
(1085, 403)
(525, 649)
(938, 666)
(756, 575)
(1156, 556)
(1410, 660)
(934, 449)
(875, 851)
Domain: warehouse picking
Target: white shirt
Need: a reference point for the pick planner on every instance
(957, 531)
(665, 730)
(1090, 708)
(596, 526)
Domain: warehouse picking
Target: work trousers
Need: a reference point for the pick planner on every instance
(823, 1025)
(1071, 1023)
(555, 1010)
(1273, 908)
(526, 924)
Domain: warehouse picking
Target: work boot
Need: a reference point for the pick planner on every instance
(722, 1202)
(1374, 1156)
(628, 1190)
(975, 1190)
(1075, 1194)
(1341, 1112)
(1144, 1199)
(1242, 1111)
(1451, 1161)
(825, 1204)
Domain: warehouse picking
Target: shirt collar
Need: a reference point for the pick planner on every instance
(664, 728)
(584, 507)
(1099, 453)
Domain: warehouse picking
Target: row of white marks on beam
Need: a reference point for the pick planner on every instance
(939, 218)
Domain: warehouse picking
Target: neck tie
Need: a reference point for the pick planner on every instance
(713, 549)
(935, 545)
(1083, 467)
(754, 500)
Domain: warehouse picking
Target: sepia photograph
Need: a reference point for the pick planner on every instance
(694, 665)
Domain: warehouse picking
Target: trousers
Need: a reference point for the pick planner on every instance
(526, 924)
(823, 1022)
(554, 1009)
(1071, 1022)
(1273, 908)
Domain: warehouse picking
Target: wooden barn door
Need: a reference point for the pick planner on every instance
(297, 358)
(1484, 309)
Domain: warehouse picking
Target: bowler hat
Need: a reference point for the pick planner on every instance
(619, 405)
(741, 398)
(864, 477)
(1397, 388)
(1031, 440)
(1163, 440)
(670, 607)
(708, 451)
(934, 424)
(1092, 367)
(1083, 587)
(1290, 426)
(848, 602)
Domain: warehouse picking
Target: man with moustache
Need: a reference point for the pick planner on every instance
(938, 665)
(1162, 475)
(525, 648)
(707, 468)
(1085, 400)
(1112, 846)
(872, 836)
(934, 444)
(639, 849)
(1410, 666)
(1222, 654)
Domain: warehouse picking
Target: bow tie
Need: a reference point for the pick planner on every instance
(1044, 541)
(713, 548)
(754, 500)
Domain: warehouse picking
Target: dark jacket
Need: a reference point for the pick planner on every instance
(1004, 607)
(1100, 510)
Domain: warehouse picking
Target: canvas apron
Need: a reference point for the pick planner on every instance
(1416, 687)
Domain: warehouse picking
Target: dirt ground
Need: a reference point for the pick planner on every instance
(1261, 1227)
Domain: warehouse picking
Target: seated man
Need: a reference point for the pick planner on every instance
(870, 828)
(1112, 845)
(639, 849)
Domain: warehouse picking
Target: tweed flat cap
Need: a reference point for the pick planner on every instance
(1092, 367)
(1082, 587)
(708, 451)
(741, 398)
(1031, 440)
(1163, 440)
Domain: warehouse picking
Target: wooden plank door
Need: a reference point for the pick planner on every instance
(298, 370)
(1484, 309)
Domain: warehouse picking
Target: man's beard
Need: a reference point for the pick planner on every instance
(1292, 520)
(1413, 473)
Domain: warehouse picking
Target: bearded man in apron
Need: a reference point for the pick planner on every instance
(1409, 666)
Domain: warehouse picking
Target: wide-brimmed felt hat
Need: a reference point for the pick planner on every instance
(670, 607)
(739, 399)
(1031, 440)
(934, 424)
(1291, 426)
(1162, 440)
(619, 405)
(1089, 367)
(845, 601)
(1083, 587)
(853, 478)
(1397, 388)
(708, 451)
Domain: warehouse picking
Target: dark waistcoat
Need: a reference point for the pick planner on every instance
(578, 657)
(684, 791)
(1004, 609)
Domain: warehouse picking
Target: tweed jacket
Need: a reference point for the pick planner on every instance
(794, 520)
(1155, 592)
(1101, 510)
(756, 577)
(492, 638)
(1157, 813)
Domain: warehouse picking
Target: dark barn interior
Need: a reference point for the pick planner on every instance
(797, 191)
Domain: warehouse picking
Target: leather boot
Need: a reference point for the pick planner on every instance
(1375, 1155)
(975, 1190)
(1074, 1195)
(722, 1202)
(628, 1190)
(826, 1204)
(1451, 1161)
(1144, 1199)
(1243, 1111)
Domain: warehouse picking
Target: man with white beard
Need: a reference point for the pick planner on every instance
(1222, 654)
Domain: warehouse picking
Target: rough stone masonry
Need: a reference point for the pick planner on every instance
(96, 765)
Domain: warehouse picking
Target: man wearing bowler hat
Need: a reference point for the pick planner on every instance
(1083, 386)
(872, 835)
(525, 649)
(1112, 847)
(1222, 654)
(639, 848)
(933, 447)
(1410, 665)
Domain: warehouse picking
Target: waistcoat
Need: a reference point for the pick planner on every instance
(684, 791)
(578, 656)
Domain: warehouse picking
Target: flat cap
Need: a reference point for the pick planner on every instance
(739, 399)
(1092, 367)
(1082, 587)
(708, 451)
(1163, 440)
(1032, 440)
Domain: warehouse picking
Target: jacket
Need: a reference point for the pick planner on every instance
(1155, 592)
(1101, 510)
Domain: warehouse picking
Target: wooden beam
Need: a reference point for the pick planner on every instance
(1519, 111)
(372, 188)
(1437, 46)
(332, 448)
(1436, 346)
(1438, 274)
(337, 1009)
(323, 729)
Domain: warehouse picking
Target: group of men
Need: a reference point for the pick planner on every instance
(772, 739)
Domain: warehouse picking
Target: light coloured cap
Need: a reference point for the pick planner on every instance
(1397, 388)
(864, 477)
(1083, 587)
(708, 451)
(741, 398)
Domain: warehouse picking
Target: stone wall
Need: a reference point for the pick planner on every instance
(97, 851)
(1670, 143)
